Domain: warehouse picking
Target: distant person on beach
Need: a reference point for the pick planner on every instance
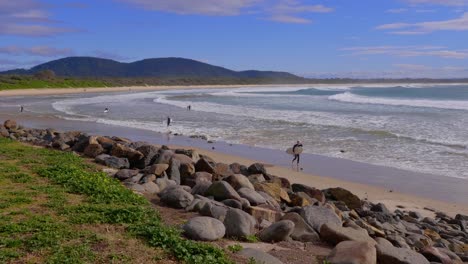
(21, 108)
(168, 121)
(106, 110)
(189, 107)
(297, 150)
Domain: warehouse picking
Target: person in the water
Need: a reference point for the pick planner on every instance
(168, 121)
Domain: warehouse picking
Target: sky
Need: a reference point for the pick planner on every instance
(311, 38)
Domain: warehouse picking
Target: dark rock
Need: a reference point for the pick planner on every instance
(221, 190)
(81, 143)
(339, 194)
(254, 178)
(204, 229)
(415, 215)
(113, 162)
(316, 216)
(93, 148)
(201, 187)
(440, 255)
(237, 168)
(274, 190)
(238, 223)
(353, 252)
(279, 231)
(238, 181)
(215, 211)
(196, 177)
(125, 174)
(310, 191)
(164, 156)
(380, 207)
(461, 217)
(221, 171)
(4, 132)
(233, 203)
(174, 171)
(149, 155)
(157, 169)
(256, 168)
(204, 165)
(122, 151)
(302, 231)
(10, 124)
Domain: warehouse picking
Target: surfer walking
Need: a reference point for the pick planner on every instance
(168, 121)
(297, 149)
(21, 108)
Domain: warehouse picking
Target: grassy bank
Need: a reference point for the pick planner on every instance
(57, 208)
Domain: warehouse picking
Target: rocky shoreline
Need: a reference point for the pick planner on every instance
(240, 202)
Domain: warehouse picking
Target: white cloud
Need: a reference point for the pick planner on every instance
(43, 51)
(438, 2)
(408, 51)
(397, 10)
(286, 11)
(457, 24)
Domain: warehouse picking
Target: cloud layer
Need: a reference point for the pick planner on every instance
(408, 51)
(457, 24)
(42, 51)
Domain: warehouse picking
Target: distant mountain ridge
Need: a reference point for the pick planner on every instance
(158, 67)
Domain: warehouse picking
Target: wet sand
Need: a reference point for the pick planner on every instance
(392, 186)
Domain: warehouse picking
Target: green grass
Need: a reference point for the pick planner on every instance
(30, 82)
(60, 209)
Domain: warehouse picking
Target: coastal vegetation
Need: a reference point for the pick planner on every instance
(57, 208)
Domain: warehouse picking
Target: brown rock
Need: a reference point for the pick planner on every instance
(440, 255)
(10, 124)
(340, 194)
(121, 151)
(299, 200)
(205, 165)
(183, 159)
(260, 213)
(310, 191)
(335, 234)
(274, 190)
(157, 169)
(238, 181)
(353, 252)
(4, 132)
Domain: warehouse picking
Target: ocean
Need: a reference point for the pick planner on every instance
(421, 128)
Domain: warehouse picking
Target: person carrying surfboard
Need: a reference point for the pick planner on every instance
(297, 150)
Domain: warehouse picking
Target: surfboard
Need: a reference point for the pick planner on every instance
(298, 150)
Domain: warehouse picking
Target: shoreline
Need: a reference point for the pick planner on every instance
(393, 199)
(85, 90)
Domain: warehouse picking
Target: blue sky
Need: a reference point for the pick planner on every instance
(323, 38)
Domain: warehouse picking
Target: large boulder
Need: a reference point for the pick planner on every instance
(259, 256)
(122, 151)
(310, 191)
(237, 168)
(164, 156)
(93, 148)
(238, 223)
(174, 171)
(215, 211)
(4, 132)
(440, 255)
(176, 197)
(149, 153)
(274, 190)
(10, 124)
(279, 231)
(197, 177)
(105, 142)
(257, 168)
(221, 190)
(252, 196)
(388, 254)
(302, 231)
(301, 199)
(316, 216)
(125, 174)
(204, 229)
(183, 159)
(353, 252)
(157, 169)
(260, 213)
(113, 162)
(335, 234)
(238, 181)
(205, 165)
(339, 194)
(201, 187)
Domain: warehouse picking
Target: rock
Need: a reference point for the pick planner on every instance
(163, 183)
(176, 197)
(418, 241)
(398, 241)
(440, 255)
(204, 229)
(302, 231)
(121, 151)
(233, 203)
(174, 173)
(431, 234)
(252, 196)
(310, 191)
(388, 254)
(301, 199)
(105, 142)
(215, 211)
(237, 168)
(339, 194)
(254, 178)
(150, 187)
(183, 159)
(256, 168)
(270, 200)
(316, 216)
(186, 170)
(10, 124)
(201, 188)
(135, 187)
(221, 190)
(353, 252)
(238, 223)
(4, 132)
(380, 207)
(196, 177)
(415, 215)
(238, 181)
(461, 217)
(113, 162)
(260, 213)
(149, 155)
(157, 169)
(93, 148)
(125, 174)
(259, 256)
(274, 190)
(279, 231)
(164, 156)
(335, 234)
(221, 171)
(204, 165)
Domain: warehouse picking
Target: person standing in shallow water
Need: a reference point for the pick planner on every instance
(21, 109)
(168, 121)
(297, 153)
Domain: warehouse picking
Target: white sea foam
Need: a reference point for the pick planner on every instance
(441, 104)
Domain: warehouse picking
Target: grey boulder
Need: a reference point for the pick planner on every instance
(204, 228)
(353, 252)
(316, 216)
(279, 231)
(238, 223)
